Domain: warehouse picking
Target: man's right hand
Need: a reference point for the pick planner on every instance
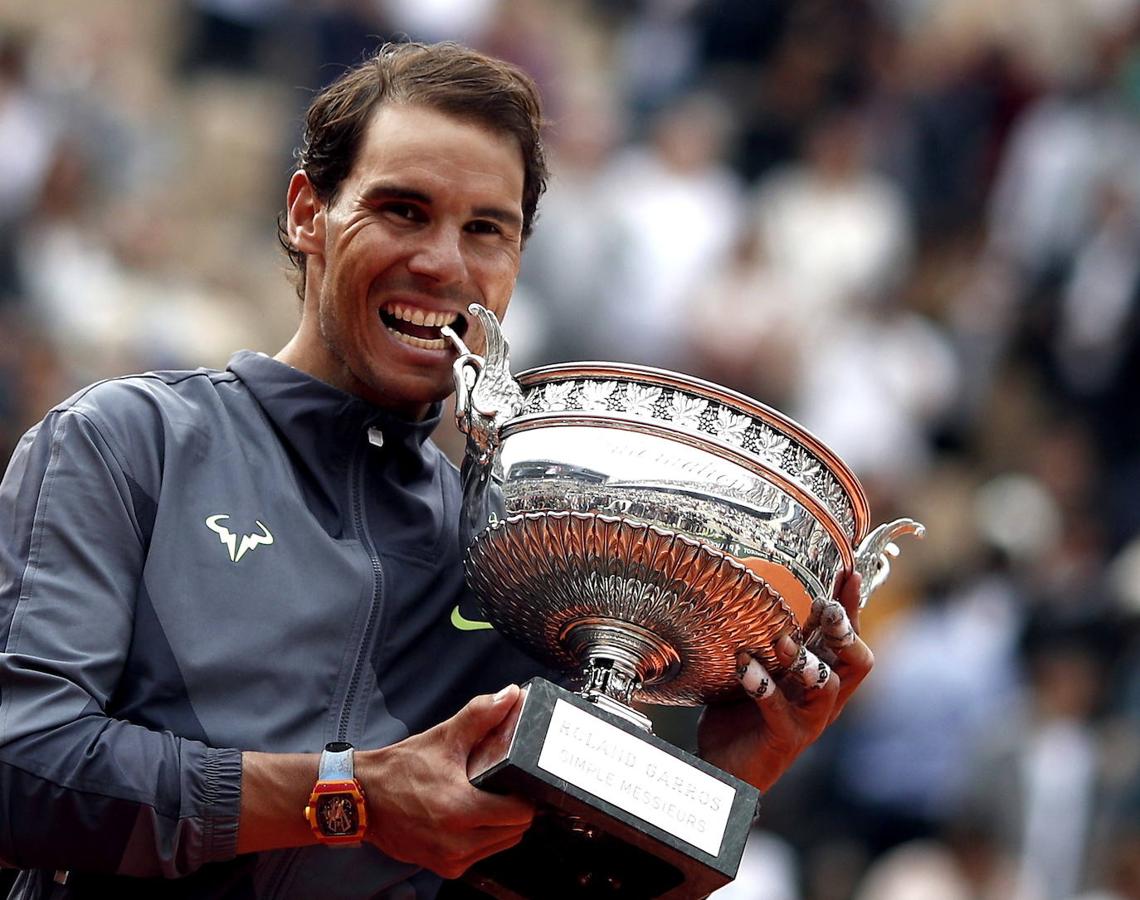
(421, 807)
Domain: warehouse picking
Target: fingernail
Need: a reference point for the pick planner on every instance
(754, 678)
(503, 694)
(742, 661)
(787, 649)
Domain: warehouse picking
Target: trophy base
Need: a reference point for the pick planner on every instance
(622, 813)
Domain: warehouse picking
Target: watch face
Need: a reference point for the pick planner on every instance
(337, 815)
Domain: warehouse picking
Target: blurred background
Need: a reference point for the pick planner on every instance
(913, 225)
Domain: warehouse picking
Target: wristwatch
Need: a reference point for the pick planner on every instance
(336, 809)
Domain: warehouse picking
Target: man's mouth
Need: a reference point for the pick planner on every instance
(420, 327)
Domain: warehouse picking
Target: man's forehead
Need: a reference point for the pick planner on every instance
(391, 119)
(421, 150)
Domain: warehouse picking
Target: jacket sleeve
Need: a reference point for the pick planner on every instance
(80, 789)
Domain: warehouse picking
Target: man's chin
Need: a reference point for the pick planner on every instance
(412, 397)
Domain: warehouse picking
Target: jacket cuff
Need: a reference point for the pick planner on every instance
(222, 804)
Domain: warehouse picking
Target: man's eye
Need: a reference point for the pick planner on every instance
(483, 226)
(404, 211)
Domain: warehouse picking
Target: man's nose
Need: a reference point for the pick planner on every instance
(439, 255)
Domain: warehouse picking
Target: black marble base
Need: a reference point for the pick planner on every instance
(583, 847)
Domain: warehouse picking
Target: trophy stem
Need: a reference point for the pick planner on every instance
(605, 684)
(610, 677)
(619, 659)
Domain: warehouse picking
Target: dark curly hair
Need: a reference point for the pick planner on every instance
(446, 77)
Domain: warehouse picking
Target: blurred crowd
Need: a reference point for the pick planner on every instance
(913, 225)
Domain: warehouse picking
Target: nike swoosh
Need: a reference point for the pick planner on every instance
(467, 624)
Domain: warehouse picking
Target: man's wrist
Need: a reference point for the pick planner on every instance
(274, 790)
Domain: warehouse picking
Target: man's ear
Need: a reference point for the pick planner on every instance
(306, 215)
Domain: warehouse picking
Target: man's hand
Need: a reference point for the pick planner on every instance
(757, 739)
(421, 807)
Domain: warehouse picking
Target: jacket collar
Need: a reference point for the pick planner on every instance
(319, 419)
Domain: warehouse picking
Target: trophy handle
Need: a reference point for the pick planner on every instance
(872, 559)
(486, 394)
(486, 398)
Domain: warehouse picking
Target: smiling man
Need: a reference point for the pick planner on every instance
(428, 220)
(206, 577)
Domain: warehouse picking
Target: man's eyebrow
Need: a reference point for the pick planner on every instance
(387, 191)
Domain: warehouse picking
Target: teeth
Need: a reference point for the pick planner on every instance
(433, 344)
(418, 316)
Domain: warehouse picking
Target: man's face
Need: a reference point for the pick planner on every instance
(428, 221)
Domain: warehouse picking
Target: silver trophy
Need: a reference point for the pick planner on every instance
(637, 528)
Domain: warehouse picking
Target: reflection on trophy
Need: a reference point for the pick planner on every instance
(636, 529)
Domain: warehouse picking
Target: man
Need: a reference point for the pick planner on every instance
(209, 576)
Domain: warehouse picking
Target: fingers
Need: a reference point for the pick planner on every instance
(812, 684)
(804, 698)
(754, 678)
(806, 674)
(845, 604)
(848, 595)
(838, 642)
(422, 807)
(480, 716)
(498, 810)
(835, 626)
(491, 842)
(840, 638)
(811, 671)
(804, 669)
(495, 840)
(488, 826)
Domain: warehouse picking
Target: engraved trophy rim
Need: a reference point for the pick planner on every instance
(620, 422)
(641, 374)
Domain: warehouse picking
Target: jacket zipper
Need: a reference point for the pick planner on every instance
(377, 594)
(284, 869)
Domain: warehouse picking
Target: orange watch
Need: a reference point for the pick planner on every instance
(336, 810)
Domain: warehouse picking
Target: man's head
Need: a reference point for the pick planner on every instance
(446, 77)
(420, 175)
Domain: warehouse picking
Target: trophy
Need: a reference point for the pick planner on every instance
(636, 529)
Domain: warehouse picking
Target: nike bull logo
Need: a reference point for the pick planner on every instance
(227, 537)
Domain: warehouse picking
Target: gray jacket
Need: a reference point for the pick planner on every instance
(198, 563)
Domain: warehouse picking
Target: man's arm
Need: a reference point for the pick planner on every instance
(421, 807)
(79, 788)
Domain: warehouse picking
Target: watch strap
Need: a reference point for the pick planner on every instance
(336, 762)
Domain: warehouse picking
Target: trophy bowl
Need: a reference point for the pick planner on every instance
(654, 520)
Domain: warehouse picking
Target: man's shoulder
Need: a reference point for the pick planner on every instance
(141, 416)
(147, 396)
(113, 394)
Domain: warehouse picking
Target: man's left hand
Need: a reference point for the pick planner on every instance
(758, 738)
